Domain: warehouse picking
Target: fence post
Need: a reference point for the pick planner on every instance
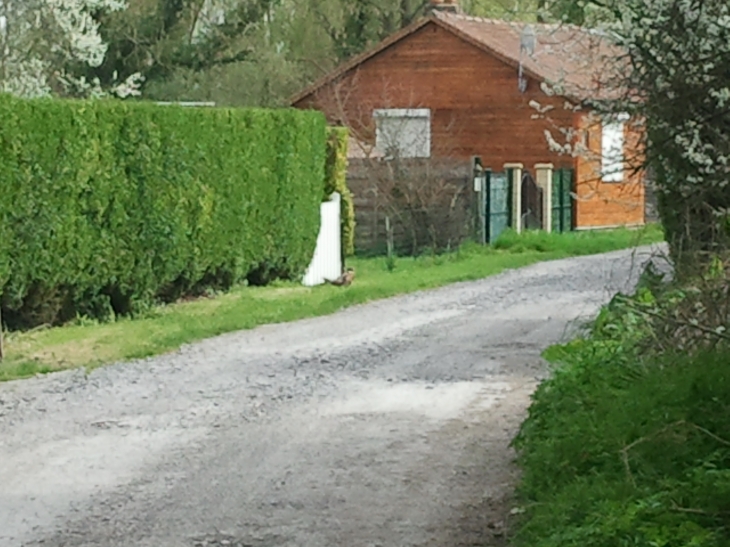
(2, 350)
(484, 205)
(516, 182)
(389, 244)
(478, 178)
(544, 178)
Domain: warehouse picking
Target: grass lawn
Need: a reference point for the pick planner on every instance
(88, 344)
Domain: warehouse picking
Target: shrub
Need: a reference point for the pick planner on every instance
(336, 181)
(625, 447)
(108, 206)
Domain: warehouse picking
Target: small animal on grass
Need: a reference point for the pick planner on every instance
(344, 280)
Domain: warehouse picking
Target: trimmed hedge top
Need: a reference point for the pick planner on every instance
(108, 206)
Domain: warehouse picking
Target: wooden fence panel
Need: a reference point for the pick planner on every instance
(431, 204)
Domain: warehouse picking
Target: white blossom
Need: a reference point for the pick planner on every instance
(42, 38)
(680, 51)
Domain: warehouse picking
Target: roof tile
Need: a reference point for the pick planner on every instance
(575, 62)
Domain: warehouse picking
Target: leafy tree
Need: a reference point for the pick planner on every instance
(353, 25)
(44, 42)
(159, 37)
(577, 12)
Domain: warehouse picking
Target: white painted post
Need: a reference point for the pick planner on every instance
(544, 179)
(327, 260)
(516, 195)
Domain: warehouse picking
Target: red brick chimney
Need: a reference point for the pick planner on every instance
(448, 6)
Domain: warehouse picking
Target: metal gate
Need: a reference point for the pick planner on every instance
(531, 203)
(562, 214)
(498, 204)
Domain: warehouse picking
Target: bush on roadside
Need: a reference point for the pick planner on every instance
(336, 181)
(108, 206)
(624, 446)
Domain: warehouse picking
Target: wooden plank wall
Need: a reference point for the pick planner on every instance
(605, 204)
(475, 105)
(476, 111)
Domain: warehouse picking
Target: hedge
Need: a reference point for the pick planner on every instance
(336, 181)
(107, 207)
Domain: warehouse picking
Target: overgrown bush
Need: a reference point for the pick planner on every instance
(336, 181)
(624, 446)
(108, 206)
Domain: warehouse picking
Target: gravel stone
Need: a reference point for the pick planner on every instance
(383, 424)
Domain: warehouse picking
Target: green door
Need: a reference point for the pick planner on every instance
(562, 214)
(498, 204)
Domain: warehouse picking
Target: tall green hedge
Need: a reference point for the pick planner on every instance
(336, 181)
(108, 206)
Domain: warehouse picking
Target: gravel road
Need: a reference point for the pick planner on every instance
(386, 424)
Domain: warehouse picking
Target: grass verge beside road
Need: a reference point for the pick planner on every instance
(165, 328)
(626, 444)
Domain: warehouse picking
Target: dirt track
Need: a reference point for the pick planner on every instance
(385, 424)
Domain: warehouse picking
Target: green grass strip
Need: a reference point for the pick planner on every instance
(89, 344)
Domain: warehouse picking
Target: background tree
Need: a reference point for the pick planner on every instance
(576, 12)
(156, 37)
(253, 52)
(46, 45)
(354, 25)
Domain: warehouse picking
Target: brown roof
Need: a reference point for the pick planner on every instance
(574, 60)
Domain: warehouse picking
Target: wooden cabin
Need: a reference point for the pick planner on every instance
(459, 87)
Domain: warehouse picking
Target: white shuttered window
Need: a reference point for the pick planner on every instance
(612, 148)
(403, 132)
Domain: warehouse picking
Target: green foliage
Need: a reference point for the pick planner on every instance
(627, 448)
(336, 181)
(109, 206)
(158, 37)
(391, 262)
(578, 243)
(576, 12)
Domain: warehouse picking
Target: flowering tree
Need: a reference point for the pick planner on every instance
(45, 43)
(673, 79)
(679, 84)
